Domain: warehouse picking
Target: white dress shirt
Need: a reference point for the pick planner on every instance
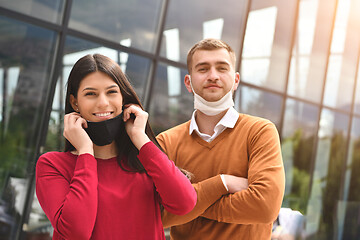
(228, 121)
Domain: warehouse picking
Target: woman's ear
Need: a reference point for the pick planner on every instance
(73, 103)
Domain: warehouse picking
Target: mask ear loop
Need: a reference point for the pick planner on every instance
(192, 85)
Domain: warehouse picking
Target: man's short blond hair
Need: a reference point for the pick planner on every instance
(208, 45)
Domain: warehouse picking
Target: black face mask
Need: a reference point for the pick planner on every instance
(104, 132)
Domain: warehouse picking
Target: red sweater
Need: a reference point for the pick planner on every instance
(88, 198)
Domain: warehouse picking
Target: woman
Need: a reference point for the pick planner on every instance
(112, 177)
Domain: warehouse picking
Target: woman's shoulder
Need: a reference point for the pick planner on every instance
(55, 158)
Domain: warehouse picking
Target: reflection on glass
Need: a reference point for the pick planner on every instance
(51, 11)
(258, 45)
(357, 93)
(9, 83)
(343, 56)
(118, 20)
(298, 138)
(351, 204)
(299, 69)
(25, 56)
(54, 137)
(327, 175)
(171, 103)
(213, 28)
(2, 98)
(223, 21)
(259, 103)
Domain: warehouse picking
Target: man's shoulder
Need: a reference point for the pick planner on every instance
(177, 130)
(253, 120)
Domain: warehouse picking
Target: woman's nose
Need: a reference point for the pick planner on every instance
(103, 100)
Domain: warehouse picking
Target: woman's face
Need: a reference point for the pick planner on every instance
(98, 98)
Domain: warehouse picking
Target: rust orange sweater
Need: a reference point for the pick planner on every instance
(251, 150)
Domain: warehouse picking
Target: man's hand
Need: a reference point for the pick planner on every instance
(235, 184)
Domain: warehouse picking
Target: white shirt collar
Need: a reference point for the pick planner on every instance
(228, 121)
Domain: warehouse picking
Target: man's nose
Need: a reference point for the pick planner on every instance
(213, 74)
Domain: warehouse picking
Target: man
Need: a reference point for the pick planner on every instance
(235, 158)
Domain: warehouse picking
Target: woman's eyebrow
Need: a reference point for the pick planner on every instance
(112, 86)
(91, 88)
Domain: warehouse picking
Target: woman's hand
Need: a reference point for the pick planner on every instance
(135, 128)
(74, 132)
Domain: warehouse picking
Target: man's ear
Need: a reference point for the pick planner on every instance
(73, 103)
(187, 83)
(237, 80)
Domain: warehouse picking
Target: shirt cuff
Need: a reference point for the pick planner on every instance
(224, 182)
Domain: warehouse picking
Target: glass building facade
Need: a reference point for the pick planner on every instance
(299, 67)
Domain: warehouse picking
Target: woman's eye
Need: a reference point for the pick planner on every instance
(112, 91)
(89, 93)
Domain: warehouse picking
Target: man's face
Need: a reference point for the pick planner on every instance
(212, 74)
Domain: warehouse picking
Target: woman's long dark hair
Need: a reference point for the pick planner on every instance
(99, 63)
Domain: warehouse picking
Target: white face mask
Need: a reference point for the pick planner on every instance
(213, 108)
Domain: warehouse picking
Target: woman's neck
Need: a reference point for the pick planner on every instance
(106, 152)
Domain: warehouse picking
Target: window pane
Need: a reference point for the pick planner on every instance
(170, 103)
(327, 175)
(267, 43)
(182, 31)
(298, 138)
(259, 103)
(357, 93)
(343, 56)
(130, 23)
(300, 61)
(25, 56)
(47, 10)
(350, 207)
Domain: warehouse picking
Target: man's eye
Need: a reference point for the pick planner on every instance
(223, 69)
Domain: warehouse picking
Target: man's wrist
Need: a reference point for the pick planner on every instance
(224, 182)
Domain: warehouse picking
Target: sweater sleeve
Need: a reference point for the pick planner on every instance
(176, 192)
(70, 206)
(261, 201)
(208, 192)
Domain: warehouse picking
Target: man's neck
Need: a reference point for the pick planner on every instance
(206, 123)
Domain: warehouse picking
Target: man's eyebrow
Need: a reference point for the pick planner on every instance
(216, 63)
(222, 63)
(201, 64)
